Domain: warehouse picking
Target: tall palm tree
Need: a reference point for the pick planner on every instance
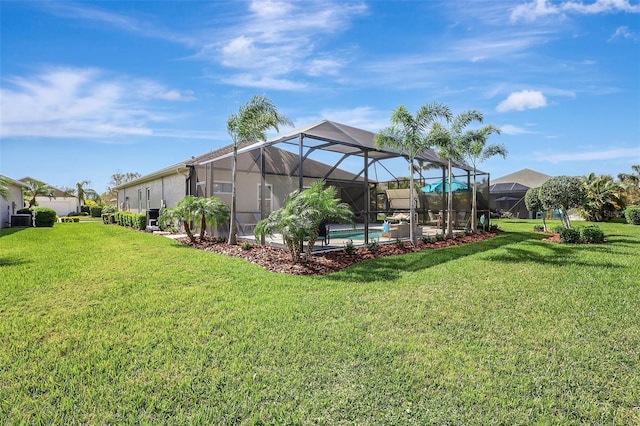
(250, 124)
(410, 135)
(83, 193)
(474, 150)
(37, 189)
(631, 182)
(448, 141)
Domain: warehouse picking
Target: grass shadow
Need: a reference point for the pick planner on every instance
(548, 254)
(390, 268)
(12, 261)
(8, 231)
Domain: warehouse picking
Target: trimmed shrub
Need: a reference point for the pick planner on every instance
(538, 228)
(85, 209)
(592, 234)
(558, 229)
(632, 214)
(69, 219)
(131, 220)
(570, 235)
(96, 211)
(44, 217)
(24, 211)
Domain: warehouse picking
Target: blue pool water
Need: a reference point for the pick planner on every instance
(355, 234)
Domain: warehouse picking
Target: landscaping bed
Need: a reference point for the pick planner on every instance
(279, 260)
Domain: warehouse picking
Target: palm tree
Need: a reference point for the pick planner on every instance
(319, 205)
(474, 150)
(37, 189)
(184, 212)
(448, 140)
(83, 193)
(303, 213)
(250, 124)
(410, 135)
(211, 210)
(631, 182)
(4, 188)
(604, 197)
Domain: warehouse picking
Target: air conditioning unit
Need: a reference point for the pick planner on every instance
(20, 220)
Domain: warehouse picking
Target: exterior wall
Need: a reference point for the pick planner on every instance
(166, 189)
(62, 205)
(11, 205)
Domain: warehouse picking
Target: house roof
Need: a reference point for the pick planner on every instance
(506, 188)
(526, 177)
(14, 182)
(56, 191)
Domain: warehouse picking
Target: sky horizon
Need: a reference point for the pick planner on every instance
(89, 89)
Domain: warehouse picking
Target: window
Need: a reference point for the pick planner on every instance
(139, 200)
(222, 187)
(148, 198)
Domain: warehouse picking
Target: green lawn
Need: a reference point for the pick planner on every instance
(100, 324)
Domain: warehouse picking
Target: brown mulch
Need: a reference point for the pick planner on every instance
(278, 260)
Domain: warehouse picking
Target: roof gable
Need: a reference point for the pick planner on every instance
(527, 177)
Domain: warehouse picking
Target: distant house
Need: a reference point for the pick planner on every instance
(13, 202)
(61, 202)
(507, 192)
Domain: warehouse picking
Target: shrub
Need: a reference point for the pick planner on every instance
(246, 245)
(439, 236)
(373, 246)
(44, 217)
(349, 248)
(632, 214)
(426, 239)
(538, 228)
(69, 219)
(85, 209)
(570, 235)
(96, 211)
(592, 234)
(24, 211)
(109, 209)
(558, 229)
(132, 220)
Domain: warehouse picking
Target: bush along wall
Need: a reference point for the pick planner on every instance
(632, 214)
(131, 220)
(44, 216)
(96, 211)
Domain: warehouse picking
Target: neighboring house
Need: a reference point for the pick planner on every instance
(13, 203)
(61, 202)
(507, 192)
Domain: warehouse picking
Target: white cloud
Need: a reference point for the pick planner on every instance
(509, 129)
(525, 99)
(623, 32)
(607, 154)
(540, 8)
(72, 102)
(264, 82)
(278, 39)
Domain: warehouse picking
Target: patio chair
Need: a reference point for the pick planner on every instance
(461, 219)
(399, 217)
(435, 218)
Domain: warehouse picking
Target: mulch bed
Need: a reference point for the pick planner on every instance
(278, 260)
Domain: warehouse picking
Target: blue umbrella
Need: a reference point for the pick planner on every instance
(438, 186)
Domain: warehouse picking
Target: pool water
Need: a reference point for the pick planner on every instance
(355, 234)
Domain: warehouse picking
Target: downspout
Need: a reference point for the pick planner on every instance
(263, 181)
(367, 201)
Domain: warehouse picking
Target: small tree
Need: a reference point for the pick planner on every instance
(604, 197)
(193, 209)
(534, 204)
(184, 212)
(562, 193)
(4, 188)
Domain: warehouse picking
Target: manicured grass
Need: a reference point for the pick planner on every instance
(99, 324)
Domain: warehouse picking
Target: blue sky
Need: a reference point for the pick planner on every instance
(93, 88)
